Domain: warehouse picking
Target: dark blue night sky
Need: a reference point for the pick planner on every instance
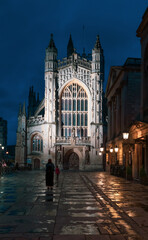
(25, 28)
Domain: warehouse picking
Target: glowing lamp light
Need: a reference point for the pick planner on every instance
(2, 147)
(125, 135)
(116, 149)
(100, 153)
(101, 149)
(111, 150)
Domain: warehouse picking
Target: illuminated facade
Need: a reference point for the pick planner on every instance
(123, 108)
(68, 124)
(139, 130)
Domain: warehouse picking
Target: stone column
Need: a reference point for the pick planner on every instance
(118, 112)
(112, 121)
(109, 121)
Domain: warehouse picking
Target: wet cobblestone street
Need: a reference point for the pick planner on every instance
(83, 206)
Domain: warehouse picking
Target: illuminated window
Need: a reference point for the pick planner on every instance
(37, 143)
(74, 110)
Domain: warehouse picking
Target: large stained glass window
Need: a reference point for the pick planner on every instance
(74, 111)
(37, 143)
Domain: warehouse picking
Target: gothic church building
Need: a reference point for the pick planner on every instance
(68, 124)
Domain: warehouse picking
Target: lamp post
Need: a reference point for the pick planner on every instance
(125, 137)
(101, 153)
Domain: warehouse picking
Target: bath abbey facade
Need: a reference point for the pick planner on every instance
(68, 124)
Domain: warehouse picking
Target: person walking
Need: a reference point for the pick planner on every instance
(57, 171)
(49, 174)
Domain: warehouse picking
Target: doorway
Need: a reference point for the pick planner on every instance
(36, 163)
(71, 161)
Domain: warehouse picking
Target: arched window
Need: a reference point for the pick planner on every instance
(37, 143)
(74, 110)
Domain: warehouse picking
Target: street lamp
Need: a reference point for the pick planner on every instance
(125, 135)
(116, 149)
(111, 150)
(101, 148)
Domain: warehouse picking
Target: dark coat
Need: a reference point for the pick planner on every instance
(49, 174)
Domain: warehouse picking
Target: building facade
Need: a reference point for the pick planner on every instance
(68, 124)
(123, 98)
(139, 129)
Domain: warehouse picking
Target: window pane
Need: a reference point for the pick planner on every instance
(65, 119)
(62, 119)
(85, 132)
(62, 104)
(82, 105)
(33, 146)
(78, 105)
(70, 119)
(39, 145)
(66, 104)
(62, 132)
(70, 104)
(78, 119)
(81, 119)
(42, 145)
(78, 132)
(69, 131)
(74, 105)
(86, 107)
(86, 119)
(65, 132)
(81, 132)
(74, 119)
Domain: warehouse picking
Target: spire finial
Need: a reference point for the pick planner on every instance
(20, 110)
(70, 47)
(24, 109)
(97, 44)
(51, 43)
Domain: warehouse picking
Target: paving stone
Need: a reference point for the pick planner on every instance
(85, 206)
(68, 237)
(97, 237)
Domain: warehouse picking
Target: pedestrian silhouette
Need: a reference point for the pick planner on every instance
(49, 174)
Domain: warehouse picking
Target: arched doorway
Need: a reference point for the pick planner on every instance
(71, 161)
(36, 163)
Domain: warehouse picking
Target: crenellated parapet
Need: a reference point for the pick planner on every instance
(35, 121)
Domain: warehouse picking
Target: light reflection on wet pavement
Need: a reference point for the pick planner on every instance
(84, 206)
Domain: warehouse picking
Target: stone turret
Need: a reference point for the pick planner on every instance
(96, 56)
(51, 95)
(97, 84)
(51, 56)
(33, 102)
(21, 146)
